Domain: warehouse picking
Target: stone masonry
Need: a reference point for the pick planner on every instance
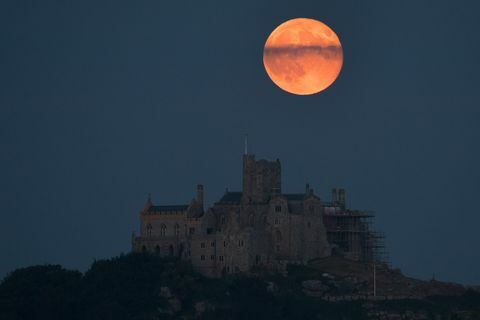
(260, 226)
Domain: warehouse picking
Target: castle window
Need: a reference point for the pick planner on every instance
(177, 230)
(157, 250)
(276, 220)
(265, 219)
(309, 224)
(257, 259)
(202, 257)
(191, 231)
(278, 208)
(202, 245)
(163, 230)
(222, 219)
(212, 257)
(278, 236)
(277, 248)
(240, 243)
(224, 243)
(220, 258)
(149, 230)
(311, 208)
(212, 244)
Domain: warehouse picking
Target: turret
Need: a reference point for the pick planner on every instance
(148, 203)
(308, 190)
(261, 179)
(199, 197)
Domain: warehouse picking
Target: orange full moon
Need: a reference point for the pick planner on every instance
(303, 56)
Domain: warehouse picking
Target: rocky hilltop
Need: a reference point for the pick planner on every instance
(356, 282)
(142, 286)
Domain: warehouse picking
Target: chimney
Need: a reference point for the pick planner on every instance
(341, 197)
(200, 195)
(334, 195)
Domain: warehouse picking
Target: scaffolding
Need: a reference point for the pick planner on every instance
(352, 234)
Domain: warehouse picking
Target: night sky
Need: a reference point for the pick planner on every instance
(102, 102)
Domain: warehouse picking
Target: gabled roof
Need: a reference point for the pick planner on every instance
(231, 197)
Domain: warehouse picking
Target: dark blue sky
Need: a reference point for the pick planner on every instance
(102, 102)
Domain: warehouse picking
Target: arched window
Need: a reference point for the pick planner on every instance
(163, 230)
(278, 236)
(149, 230)
(177, 229)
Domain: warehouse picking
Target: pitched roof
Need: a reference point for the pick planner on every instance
(231, 197)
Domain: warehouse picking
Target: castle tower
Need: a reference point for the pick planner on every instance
(261, 179)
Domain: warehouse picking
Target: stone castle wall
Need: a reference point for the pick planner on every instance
(258, 226)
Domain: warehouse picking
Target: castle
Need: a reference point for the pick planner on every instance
(258, 226)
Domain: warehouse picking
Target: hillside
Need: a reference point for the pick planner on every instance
(390, 283)
(147, 287)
